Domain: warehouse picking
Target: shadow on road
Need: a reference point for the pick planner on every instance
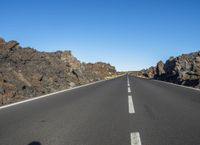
(35, 143)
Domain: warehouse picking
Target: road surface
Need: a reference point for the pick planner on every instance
(121, 111)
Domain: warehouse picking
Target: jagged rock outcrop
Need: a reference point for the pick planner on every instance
(146, 73)
(26, 72)
(100, 69)
(184, 70)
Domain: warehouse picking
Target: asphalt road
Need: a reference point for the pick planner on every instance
(107, 113)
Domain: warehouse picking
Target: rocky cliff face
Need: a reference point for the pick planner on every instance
(184, 70)
(26, 72)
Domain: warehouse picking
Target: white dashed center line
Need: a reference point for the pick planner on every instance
(130, 105)
(129, 90)
(135, 138)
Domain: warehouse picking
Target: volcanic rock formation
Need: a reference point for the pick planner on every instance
(184, 70)
(26, 72)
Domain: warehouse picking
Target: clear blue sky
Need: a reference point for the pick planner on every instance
(130, 34)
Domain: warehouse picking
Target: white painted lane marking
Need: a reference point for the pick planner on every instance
(129, 90)
(130, 105)
(186, 87)
(128, 83)
(58, 92)
(135, 138)
(127, 79)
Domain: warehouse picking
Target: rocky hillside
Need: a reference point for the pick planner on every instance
(26, 72)
(184, 70)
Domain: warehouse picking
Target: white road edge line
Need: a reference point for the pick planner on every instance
(47, 95)
(130, 105)
(135, 138)
(129, 90)
(169, 83)
(182, 86)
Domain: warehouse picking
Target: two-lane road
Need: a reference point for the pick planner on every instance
(121, 111)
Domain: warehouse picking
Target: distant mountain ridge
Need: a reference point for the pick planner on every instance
(183, 70)
(26, 72)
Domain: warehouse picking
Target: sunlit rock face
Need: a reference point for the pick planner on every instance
(184, 70)
(26, 72)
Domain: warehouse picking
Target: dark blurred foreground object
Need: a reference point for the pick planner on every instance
(35, 143)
